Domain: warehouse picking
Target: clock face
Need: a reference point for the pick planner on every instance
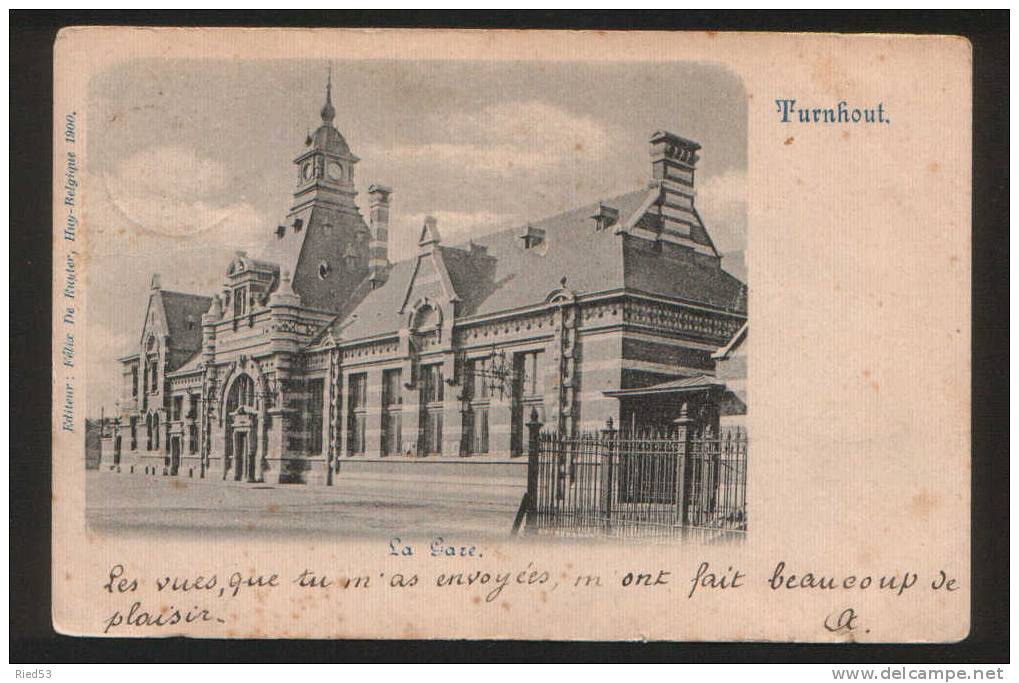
(307, 170)
(335, 171)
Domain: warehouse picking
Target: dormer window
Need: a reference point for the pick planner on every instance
(532, 236)
(324, 270)
(605, 217)
(350, 257)
(298, 224)
(281, 231)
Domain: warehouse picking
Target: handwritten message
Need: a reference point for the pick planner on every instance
(201, 597)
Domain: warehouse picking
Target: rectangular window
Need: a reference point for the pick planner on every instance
(392, 413)
(528, 373)
(527, 394)
(431, 410)
(240, 298)
(478, 392)
(193, 439)
(316, 389)
(357, 395)
(134, 433)
(178, 408)
(134, 381)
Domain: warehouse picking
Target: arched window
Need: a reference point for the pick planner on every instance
(242, 393)
(155, 431)
(426, 318)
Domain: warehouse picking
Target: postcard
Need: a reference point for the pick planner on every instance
(446, 334)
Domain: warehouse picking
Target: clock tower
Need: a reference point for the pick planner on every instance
(325, 168)
(324, 241)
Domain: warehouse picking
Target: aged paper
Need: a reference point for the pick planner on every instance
(446, 334)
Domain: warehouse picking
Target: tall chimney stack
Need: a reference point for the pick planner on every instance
(673, 161)
(378, 219)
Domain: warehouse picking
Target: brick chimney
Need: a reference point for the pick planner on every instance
(673, 161)
(378, 246)
(673, 158)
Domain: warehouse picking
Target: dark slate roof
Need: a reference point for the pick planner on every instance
(690, 279)
(190, 365)
(498, 274)
(495, 273)
(180, 308)
(329, 139)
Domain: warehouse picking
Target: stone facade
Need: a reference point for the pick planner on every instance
(325, 357)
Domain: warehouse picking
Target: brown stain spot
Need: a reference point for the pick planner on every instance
(881, 58)
(933, 167)
(272, 508)
(845, 135)
(249, 526)
(579, 147)
(179, 485)
(67, 576)
(505, 606)
(788, 140)
(923, 503)
(872, 384)
(953, 259)
(712, 34)
(476, 600)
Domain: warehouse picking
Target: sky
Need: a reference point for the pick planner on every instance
(189, 161)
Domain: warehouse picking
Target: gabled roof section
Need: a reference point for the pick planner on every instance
(184, 319)
(495, 272)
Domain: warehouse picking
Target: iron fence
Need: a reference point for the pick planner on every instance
(681, 482)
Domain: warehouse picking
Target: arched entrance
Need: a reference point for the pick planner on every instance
(242, 422)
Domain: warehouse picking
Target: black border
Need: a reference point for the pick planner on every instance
(32, 639)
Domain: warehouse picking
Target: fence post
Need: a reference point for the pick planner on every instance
(533, 453)
(608, 438)
(684, 450)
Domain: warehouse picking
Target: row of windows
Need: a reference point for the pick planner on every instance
(480, 384)
(150, 379)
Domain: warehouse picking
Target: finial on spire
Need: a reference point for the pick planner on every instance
(328, 112)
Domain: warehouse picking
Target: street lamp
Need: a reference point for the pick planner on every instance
(498, 370)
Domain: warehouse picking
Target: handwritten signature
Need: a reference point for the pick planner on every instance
(842, 622)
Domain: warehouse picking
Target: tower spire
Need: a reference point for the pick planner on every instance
(328, 112)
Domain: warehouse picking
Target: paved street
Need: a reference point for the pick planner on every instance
(357, 506)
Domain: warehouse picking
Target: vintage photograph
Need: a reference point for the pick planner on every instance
(366, 298)
(444, 334)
